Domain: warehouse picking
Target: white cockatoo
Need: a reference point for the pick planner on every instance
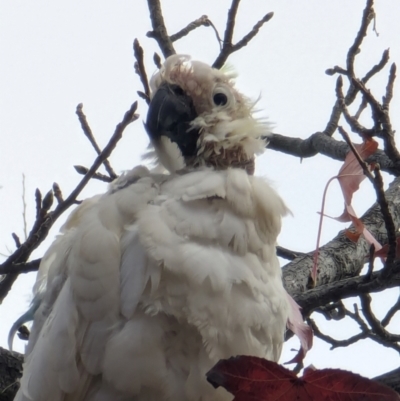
(151, 283)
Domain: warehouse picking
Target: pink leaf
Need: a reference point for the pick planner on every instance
(350, 176)
(303, 331)
(351, 173)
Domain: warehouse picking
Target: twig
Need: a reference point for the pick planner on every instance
(97, 176)
(370, 262)
(57, 193)
(381, 116)
(333, 122)
(389, 88)
(390, 313)
(352, 121)
(141, 71)
(360, 160)
(25, 224)
(16, 240)
(334, 343)
(157, 60)
(375, 324)
(377, 67)
(88, 133)
(332, 311)
(389, 224)
(227, 46)
(44, 220)
(159, 32)
(354, 49)
(38, 202)
(361, 108)
(287, 253)
(336, 70)
(202, 21)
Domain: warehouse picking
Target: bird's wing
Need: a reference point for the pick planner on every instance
(80, 304)
(159, 281)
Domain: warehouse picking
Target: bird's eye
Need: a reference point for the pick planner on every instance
(220, 99)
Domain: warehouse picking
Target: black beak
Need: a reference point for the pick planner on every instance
(170, 113)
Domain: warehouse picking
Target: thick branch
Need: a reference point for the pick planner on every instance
(340, 258)
(325, 145)
(343, 289)
(88, 133)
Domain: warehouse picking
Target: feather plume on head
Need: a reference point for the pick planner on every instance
(198, 118)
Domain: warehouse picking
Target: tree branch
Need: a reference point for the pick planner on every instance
(159, 32)
(45, 220)
(341, 258)
(227, 46)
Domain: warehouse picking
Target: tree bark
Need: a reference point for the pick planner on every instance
(10, 372)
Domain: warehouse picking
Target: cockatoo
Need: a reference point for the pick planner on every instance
(153, 282)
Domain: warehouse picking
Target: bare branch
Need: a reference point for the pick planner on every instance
(202, 21)
(389, 88)
(57, 193)
(361, 108)
(16, 240)
(31, 266)
(333, 122)
(89, 134)
(389, 223)
(141, 71)
(25, 224)
(44, 220)
(319, 143)
(354, 49)
(334, 342)
(287, 253)
(157, 60)
(228, 47)
(159, 32)
(97, 176)
(360, 160)
(246, 39)
(370, 262)
(375, 324)
(383, 126)
(377, 67)
(390, 313)
(343, 289)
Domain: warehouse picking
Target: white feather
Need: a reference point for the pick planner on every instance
(150, 284)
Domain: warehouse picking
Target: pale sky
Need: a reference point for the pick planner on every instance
(55, 55)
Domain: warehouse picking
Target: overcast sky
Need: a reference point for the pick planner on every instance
(55, 55)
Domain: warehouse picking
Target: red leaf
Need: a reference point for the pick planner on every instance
(255, 379)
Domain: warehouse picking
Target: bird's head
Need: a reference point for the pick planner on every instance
(197, 118)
